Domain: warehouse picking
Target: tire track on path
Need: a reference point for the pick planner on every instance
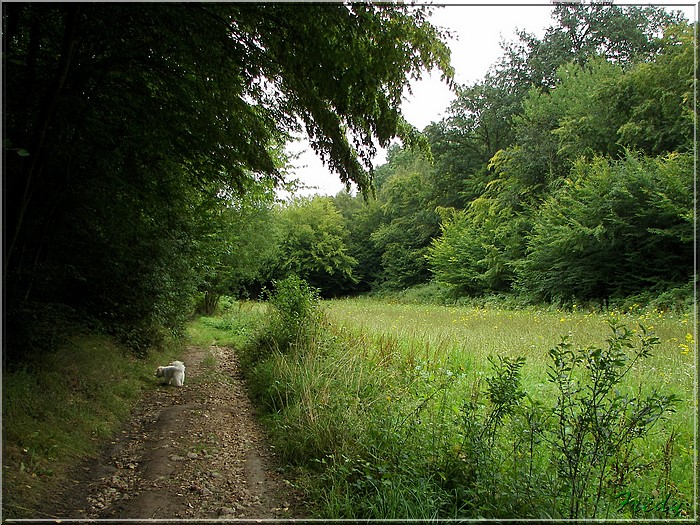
(195, 452)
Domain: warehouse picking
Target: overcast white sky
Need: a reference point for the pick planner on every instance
(479, 27)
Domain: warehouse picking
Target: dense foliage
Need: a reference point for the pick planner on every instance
(564, 176)
(144, 144)
(613, 229)
(141, 143)
(312, 245)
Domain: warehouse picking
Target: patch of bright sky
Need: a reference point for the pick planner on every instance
(478, 29)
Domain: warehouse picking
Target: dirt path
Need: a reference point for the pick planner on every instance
(194, 452)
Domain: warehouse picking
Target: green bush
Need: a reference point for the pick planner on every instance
(614, 229)
(293, 324)
(596, 424)
(474, 252)
(296, 313)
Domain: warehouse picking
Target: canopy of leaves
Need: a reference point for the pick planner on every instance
(313, 245)
(126, 124)
(621, 34)
(408, 220)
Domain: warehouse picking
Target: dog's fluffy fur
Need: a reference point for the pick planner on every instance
(173, 374)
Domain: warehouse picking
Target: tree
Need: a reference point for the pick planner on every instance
(623, 35)
(646, 107)
(234, 258)
(599, 108)
(594, 108)
(408, 220)
(479, 123)
(556, 127)
(478, 247)
(123, 121)
(614, 229)
(655, 99)
(361, 218)
(313, 245)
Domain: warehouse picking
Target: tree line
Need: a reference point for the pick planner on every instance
(143, 146)
(564, 176)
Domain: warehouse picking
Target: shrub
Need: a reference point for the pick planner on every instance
(294, 321)
(614, 229)
(595, 423)
(296, 312)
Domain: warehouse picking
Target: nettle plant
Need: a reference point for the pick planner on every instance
(595, 423)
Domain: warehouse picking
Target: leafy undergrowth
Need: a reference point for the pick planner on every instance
(376, 431)
(61, 409)
(234, 324)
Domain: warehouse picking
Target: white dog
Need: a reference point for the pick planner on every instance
(173, 374)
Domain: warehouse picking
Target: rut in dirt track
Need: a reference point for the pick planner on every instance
(195, 452)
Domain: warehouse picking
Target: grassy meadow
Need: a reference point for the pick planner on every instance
(403, 411)
(466, 336)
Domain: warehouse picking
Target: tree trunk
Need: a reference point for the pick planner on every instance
(211, 301)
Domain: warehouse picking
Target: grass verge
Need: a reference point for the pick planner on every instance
(61, 409)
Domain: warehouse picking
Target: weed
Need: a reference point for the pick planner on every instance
(595, 422)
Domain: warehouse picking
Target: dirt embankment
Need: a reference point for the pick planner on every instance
(195, 452)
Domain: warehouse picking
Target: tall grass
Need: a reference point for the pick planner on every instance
(408, 411)
(468, 336)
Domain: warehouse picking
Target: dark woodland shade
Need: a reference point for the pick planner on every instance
(126, 123)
